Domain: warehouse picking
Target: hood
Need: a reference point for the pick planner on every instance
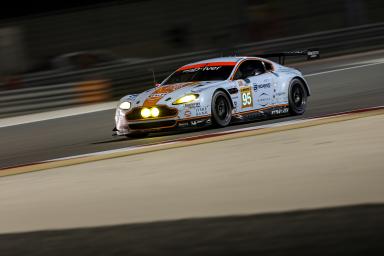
(174, 91)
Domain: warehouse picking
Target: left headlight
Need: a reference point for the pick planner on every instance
(125, 105)
(186, 99)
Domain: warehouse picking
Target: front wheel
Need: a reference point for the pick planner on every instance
(297, 97)
(221, 109)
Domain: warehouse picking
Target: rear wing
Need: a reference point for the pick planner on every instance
(310, 53)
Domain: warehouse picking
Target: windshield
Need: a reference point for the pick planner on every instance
(202, 72)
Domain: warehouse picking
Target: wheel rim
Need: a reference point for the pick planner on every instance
(222, 108)
(298, 97)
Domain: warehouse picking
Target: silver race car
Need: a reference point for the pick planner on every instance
(216, 92)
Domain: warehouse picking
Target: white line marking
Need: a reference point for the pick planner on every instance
(176, 141)
(74, 111)
(201, 136)
(196, 137)
(111, 151)
(380, 60)
(342, 69)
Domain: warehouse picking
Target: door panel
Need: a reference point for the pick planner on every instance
(256, 86)
(263, 90)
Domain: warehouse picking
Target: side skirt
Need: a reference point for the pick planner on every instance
(261, 114)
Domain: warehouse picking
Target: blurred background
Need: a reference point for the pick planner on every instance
(271, 188)
(94, 51)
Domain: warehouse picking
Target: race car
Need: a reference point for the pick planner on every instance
(216, 92)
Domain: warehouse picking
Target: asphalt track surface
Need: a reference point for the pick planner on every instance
(337, 84)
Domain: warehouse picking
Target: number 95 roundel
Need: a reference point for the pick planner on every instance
(246, 97)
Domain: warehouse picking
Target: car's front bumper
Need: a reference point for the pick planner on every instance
(124, 127)
(171, 117)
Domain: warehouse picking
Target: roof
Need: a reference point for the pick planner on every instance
(220, 59)
(224, 61)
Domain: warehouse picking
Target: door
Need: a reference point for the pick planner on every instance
(256, 85)
(262, 86)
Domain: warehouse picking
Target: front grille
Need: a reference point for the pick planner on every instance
(165, 112)
(153, 125)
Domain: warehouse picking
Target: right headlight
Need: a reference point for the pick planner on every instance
(125, 105)
(186, 99)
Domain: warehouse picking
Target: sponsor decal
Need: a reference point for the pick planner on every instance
(261, 86)
(195, 123)
(199, 122)
(192, 70)
(187, 113)
(208, 65)
(281, 93)
(241, 83)
(264, 99)
(157, 95)
(193, 105)
(279, 111)
(201, 111)
(246, 97)
(196, 109)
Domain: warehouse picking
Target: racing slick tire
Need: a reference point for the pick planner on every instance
(137, 135)
(221, 109)
(297, 97)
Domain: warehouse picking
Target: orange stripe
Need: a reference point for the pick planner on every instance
(211, 64)
(160, 92)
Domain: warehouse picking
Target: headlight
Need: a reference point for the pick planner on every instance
(125, 105)
(145, 112)
(153, 112)
(186, 99)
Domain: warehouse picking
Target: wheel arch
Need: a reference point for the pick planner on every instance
(226, 93)
(304, 82)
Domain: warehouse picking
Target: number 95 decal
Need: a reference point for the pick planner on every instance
(246, 97)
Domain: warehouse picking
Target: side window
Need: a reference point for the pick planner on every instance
(268, 66)
(249, 68)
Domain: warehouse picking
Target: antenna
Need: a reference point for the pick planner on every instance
(235, 51)
(153, 75)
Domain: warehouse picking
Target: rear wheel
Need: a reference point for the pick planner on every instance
(221, 109)
(297, 97)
